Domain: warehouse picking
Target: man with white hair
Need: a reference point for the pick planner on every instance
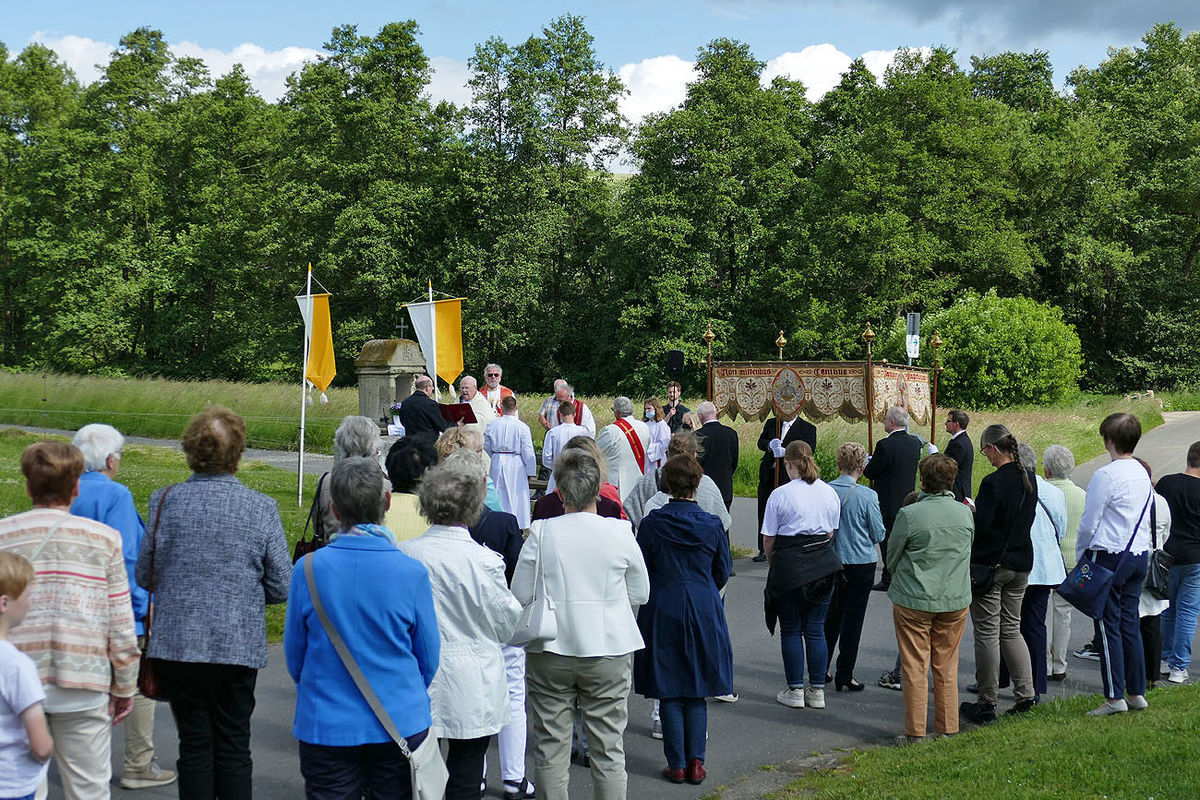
(509, 443)
(565, 395)
(546, 416)
(719, 450)
(893, 470)
(624, 444)
(495, 393)
(103, 499)
(1057, 463)
(478, 403)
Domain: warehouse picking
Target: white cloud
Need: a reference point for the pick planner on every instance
(819, 67)
(449, 80)
(655, 84)
(879, 60)
(84, 56)
(267, 69)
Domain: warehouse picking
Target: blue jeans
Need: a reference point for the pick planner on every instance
(802, 633)
(1119, 631)
(685, 727)
(1179, 621)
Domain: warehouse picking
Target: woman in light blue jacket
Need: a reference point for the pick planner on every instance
(380, 602)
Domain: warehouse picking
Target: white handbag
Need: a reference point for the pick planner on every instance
(537, 622)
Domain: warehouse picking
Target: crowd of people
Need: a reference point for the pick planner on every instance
(446, 608)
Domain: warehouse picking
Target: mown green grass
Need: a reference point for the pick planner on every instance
(1057, 751)
(161, 408)
(1181, 400)
(146, 468)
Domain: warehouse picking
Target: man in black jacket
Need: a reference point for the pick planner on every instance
(773, 440)
(720, 455)
(419, 412)
(961, 450)
(893, 471)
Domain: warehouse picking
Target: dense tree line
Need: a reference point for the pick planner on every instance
(159, 219)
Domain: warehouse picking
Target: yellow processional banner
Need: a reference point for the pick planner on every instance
(818, 390)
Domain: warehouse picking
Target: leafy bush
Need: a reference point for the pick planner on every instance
(999, 352)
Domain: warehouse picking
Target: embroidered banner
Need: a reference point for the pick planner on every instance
(817, 390)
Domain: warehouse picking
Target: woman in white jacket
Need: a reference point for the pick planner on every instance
(595, 574)
(476, 613)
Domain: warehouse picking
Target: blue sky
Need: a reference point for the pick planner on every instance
(650, 44)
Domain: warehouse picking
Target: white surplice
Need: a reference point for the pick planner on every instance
(484, 413)
(660, 437)
(510, 444)
(623, 469)
(556, 439)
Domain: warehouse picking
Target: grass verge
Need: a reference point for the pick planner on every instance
(146, 468)
(1054, 752)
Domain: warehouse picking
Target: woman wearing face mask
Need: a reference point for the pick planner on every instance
(660, 434)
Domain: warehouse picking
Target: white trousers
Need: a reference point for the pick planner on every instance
(512, 735)
(1059, 633)
(82, 741)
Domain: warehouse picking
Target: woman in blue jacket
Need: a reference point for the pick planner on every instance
(381, 603)
(688, 656)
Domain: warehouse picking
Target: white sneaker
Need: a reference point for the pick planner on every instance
(656, 728)
(1136, 702)
(814, 698)
(1177, 676)
(1110, 707)
(792, 698)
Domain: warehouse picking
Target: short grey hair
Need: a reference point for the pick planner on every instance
(356, 437)
(357, 491)
(1026, 455)
(578, 477)
(499, 368)
(897, 416)
(1059, 461)
(97, 442)
(452, 492)
(463, 381)
(707, 410)
(622, 406)
(423, 382)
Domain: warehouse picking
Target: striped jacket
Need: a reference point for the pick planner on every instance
(79, 630)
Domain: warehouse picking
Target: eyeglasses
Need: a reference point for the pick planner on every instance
(492, 375)
(983, 449)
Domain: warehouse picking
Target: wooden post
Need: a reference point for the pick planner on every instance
(708, 340)
(868, 336)
(937, 367)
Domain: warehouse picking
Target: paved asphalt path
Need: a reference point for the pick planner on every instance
(744, 736)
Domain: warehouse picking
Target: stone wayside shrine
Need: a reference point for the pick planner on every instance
(386, 370)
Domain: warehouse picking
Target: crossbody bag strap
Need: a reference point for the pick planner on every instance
(1050, 517)
(1138, 524)
(1153, 524)
(162, 501)
(37, 551)
(360, 680)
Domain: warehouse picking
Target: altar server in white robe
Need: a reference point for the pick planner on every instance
(557, 438)
(624, 444)
(510, 444)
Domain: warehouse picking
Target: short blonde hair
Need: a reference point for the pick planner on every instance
(454, 439)
(16, 573)
(851, 457)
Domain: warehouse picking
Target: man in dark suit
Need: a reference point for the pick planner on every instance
(893, 471)
(419, 412)
(720, 454)
(775, 438)
(961, 450)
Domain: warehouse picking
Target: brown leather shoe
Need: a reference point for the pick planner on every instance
(673, 775)
(695, 772)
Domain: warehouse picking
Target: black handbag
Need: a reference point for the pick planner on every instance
(1158, 571)
(315, 518)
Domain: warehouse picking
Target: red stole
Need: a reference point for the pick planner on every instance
(578, 411)
(635, 442)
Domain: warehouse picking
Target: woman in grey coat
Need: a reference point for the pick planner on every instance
(214, 555)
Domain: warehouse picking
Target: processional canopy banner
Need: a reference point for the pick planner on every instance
(818, 390)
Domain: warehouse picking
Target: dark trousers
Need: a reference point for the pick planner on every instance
(1033, 631)
(211, 704)
(1152, 646)
(464, 762)
(847, 610)
(1118, 632)
(374, 771)
(685, 728)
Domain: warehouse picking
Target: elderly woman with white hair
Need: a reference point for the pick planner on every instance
(1057, 464)
(103, 499)
(595, 572)
(476, 614)
(356, 437)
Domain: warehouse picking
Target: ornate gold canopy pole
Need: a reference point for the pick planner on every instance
(708, 340)
(868, 336)
(937, 367)
(780, 342)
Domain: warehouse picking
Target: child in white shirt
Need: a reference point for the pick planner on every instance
(25, 743)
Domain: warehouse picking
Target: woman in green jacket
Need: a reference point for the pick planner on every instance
(928, 556)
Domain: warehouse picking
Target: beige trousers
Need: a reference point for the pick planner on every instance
(1059, 634)
(929, 640)
(996, 617)
(602, 687)
(82, 745)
